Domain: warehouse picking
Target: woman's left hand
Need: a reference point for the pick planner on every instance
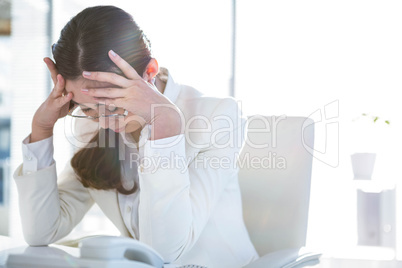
(138, 97)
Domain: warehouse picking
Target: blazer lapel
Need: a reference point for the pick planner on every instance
(108, 202)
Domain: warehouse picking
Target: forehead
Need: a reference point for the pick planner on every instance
(76, 85)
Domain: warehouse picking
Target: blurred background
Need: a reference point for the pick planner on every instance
(328, 60)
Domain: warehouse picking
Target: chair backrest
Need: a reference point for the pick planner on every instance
(275, 181)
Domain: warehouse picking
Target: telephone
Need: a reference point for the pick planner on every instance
(124, 252)
(95, 252)
(287, 258)
(127, 250)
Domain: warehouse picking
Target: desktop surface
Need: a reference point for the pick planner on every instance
(21, 254)
(10, 246)
(14, 246)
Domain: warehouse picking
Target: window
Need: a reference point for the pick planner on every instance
(4, 155)
(1, 185)
(4, 138)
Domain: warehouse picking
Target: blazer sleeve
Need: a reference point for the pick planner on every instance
(50, 206)
(176, 203)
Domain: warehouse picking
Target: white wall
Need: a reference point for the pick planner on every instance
(295, 58)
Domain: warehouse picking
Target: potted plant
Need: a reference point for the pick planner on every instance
(363, 162)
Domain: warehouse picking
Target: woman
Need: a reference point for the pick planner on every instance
(161, 159)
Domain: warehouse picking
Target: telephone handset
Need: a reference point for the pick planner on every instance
(95, 252)
(108, 248)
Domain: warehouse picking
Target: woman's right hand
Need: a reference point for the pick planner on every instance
(55, 106)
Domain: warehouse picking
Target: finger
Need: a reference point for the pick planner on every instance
(60, 84)
(117, 102)
(52, 69)
(127, 69)
(63, 100)
(104, 92)
(59, 87)
(112, 78)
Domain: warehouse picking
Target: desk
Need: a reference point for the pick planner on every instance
(355, 263)
(65, 256)
(359, 257)
(12, 246)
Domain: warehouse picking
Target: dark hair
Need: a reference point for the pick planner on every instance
(99, 167)
(86, 39)
(83, 45)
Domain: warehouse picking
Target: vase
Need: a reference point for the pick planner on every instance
(363, 165)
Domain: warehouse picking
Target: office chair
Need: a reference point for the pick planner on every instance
(276, 186)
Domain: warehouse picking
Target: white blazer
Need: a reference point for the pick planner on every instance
(190, 216)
